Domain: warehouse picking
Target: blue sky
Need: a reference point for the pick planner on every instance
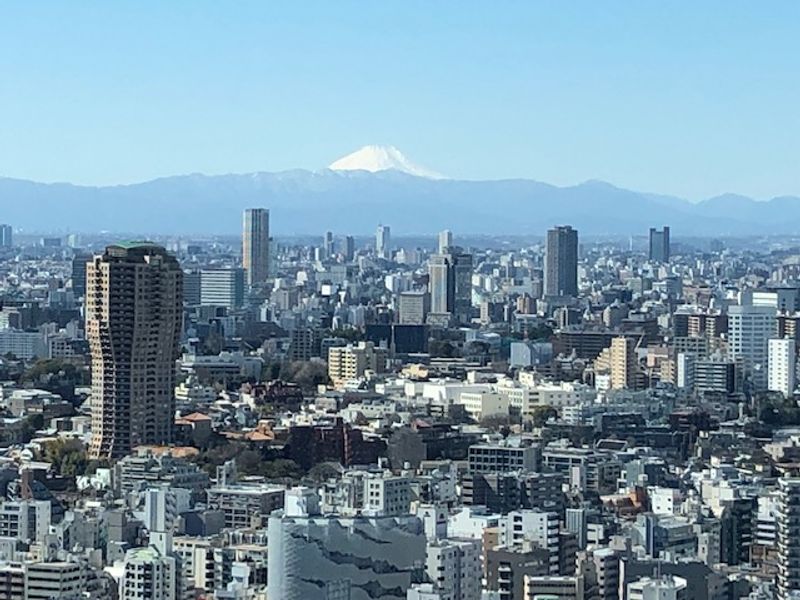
(685, 98)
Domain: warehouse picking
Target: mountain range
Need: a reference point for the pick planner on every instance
(380, 186)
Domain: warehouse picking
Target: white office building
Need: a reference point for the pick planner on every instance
(782, 366)
(222, 287)
(25, 519)
(749, 330)
(483, 404)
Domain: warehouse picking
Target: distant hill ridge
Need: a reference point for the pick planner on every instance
(355, 201)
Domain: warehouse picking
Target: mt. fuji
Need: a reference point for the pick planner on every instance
(378, 185)
(376, 158)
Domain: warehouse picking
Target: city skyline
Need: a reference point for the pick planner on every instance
(411, 301)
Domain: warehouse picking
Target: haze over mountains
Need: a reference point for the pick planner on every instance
(378, 185)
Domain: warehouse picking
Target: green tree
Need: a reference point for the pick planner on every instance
(281, 468)
(542, 414)
(306, 374)
(324, 471)
(68, 458)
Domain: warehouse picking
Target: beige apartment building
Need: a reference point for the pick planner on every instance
(353, 362)
(133, 324)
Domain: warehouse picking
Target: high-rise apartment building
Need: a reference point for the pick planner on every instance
(619, 363)
(782, 366)
(561, 262)
(222, 287)
(383, 241)
(352, 362)
(623, 363)
(255, 245)
(749, 330)
(659, 245)
(134, 311)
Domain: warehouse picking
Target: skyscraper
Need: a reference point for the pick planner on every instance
(659, 245)
(329, 249)
(445, 240)
(255, 245)
(462, 303)
(6, 236)
(441, 283)
(450, 281)
(349, 248)
(561, 262)
(383, 241)
(133, 324)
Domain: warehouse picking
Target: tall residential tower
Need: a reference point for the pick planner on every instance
(255, 245)
(134, 310)
(561, 262)
(383, 241)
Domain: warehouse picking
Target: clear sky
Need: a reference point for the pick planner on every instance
(686, 98)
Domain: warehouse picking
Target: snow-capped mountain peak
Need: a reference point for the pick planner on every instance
(376, 158)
